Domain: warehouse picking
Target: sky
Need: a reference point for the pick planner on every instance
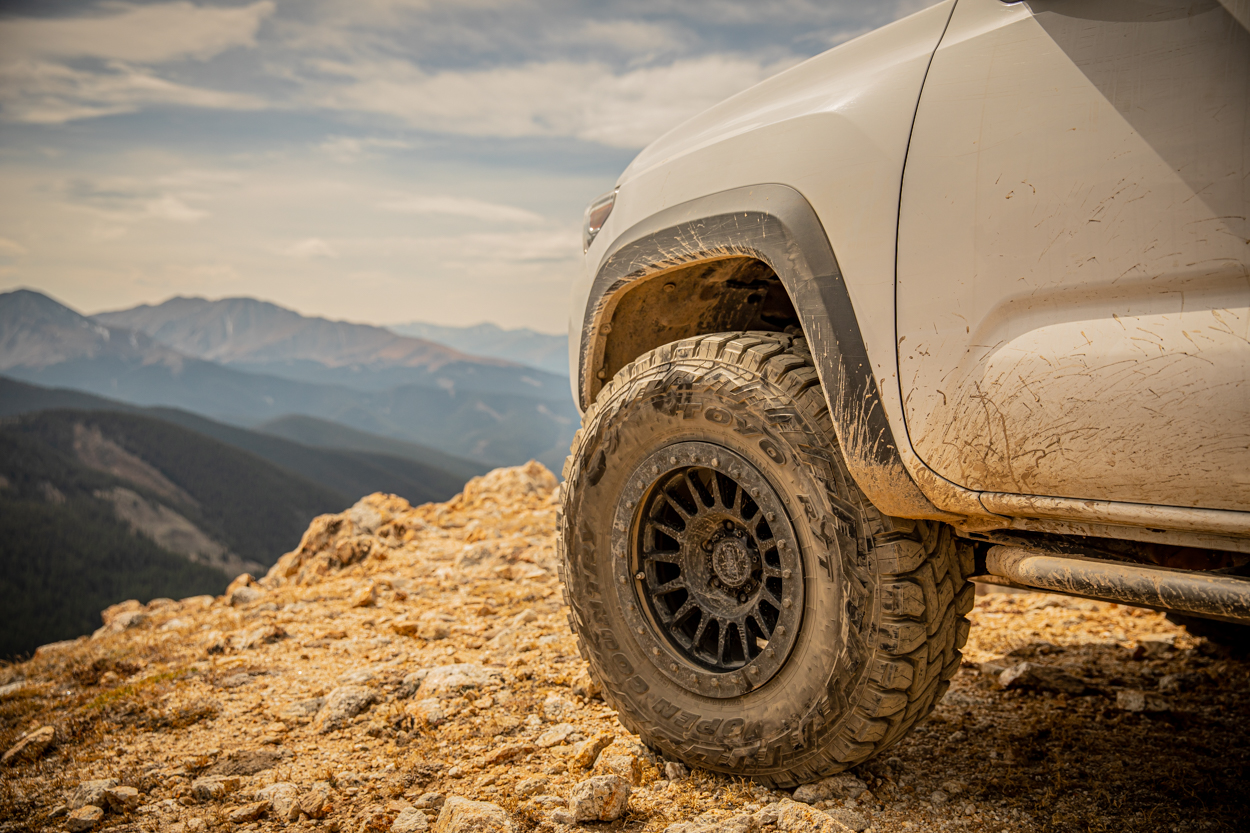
(379, 161)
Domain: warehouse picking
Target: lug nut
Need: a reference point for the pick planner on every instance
(786, 574)
(641, 631)
(672, 666)
(781, 630)
(772, 516)
(755, 671)
(621, 579)
(655, 651)
(785, 602)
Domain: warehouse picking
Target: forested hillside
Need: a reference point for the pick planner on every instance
(64, 553)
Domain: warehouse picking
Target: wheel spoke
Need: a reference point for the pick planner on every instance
(699, 492)
(667, 556)
(660, 526)
(761, 624)
(721, 632)
(699, 631)
(717, 502)
(741, 627)
(681, 613)
(667, 587)
(686, 514)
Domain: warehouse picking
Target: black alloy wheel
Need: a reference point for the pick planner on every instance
(713, 575)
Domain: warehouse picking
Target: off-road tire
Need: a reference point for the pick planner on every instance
(884, 600)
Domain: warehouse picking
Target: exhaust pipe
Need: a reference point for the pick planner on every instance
(1209, 595)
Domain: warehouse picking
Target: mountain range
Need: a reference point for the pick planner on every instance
(522, 345)
(249, 363)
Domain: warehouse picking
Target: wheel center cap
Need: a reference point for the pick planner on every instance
(731, 561)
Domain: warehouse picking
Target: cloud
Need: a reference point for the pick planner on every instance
(169, 207)
(312, 247)
(41, 92)
(11, 248)
(462, 207)
(351, 148)
(586, 101)
(136, 33)
(121, 201)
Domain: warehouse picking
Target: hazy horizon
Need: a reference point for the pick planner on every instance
(380, 161)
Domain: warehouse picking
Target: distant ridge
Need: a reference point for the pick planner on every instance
(349, 471)
(320, 433)
(261, 337)
(522, 345)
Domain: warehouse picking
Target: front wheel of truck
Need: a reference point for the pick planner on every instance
(744, 607)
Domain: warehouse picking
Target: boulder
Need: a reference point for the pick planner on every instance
(83, 818)
(342, 704)
(556, 708)
(318, 801)
(624, 764)
(836, 786)
(587, 752)
(1034, 675)
(214, 787)
(849, 819)
(460, 815)
(1132, 700)
(674, 771)
(599, 798)
(793, 817)
(249, 812)
(122, 799)
(410, 820)
(448, 681)
(555, 735)
(91, 793)
(283, 798)
(31, 746)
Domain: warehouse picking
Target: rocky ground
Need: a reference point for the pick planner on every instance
(411, 668)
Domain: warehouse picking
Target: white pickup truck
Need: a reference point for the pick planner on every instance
(966, 298)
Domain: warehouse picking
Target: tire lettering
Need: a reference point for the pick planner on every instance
(622, 664)
(707, 727)
(664, 709)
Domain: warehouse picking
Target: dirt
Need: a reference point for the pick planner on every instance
(313, 676)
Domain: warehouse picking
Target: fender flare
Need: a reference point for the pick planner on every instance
(776, 225)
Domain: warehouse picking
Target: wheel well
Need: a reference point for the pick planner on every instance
(713, 296)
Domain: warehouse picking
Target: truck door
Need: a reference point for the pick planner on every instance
(1073, 285)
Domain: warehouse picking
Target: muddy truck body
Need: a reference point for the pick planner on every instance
(965, 299)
